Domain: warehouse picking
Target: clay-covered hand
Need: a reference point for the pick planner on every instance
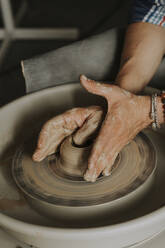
(127, 114)
(83, 122)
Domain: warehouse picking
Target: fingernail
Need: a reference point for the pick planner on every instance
(90, 177)
(94, 177)
(106, 173)
(87, 177)
(36, 157)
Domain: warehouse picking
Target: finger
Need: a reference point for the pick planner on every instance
(93, 174)
(89, 128)
(103, 165)
(111, 160)
(49, 139)
(58, 135)
(97, 160)
(40, 154)
(102, 160)
(59, 127)
(103, 150)
(96, 87)
(113, 155)
(51, 135)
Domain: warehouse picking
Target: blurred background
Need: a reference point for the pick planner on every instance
(31, 27)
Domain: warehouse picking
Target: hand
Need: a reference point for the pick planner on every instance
(85, 121)
(127, 114)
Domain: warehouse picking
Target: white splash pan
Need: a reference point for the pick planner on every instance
(18, 122)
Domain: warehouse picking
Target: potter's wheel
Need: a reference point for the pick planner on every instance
(141, 222)
(58, 190)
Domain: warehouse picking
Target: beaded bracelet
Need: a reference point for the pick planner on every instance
(163, 101)
(155, 124)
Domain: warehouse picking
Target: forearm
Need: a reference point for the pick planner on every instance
(142, 53)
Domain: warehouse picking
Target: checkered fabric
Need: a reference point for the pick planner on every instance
(152, 11)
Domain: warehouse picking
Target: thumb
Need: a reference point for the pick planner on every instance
(95, 87)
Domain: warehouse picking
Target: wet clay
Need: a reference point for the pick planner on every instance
(73, 160)
(58, 179)
(75, 149)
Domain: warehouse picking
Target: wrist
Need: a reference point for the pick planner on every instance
(146, 109)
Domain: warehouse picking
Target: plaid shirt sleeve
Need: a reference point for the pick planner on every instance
(152, 11)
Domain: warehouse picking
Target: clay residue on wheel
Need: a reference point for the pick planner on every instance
(39, 180)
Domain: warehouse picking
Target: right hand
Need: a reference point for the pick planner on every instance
(83, 121)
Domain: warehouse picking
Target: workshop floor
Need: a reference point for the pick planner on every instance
(89, 16)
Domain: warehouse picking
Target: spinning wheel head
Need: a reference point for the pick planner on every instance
(56, 187)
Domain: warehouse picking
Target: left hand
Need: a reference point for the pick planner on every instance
(126, 116)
